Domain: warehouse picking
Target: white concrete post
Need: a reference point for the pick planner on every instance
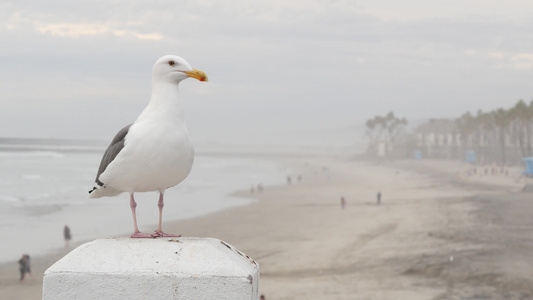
(162, 268)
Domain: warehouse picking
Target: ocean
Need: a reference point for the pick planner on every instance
(44, 186)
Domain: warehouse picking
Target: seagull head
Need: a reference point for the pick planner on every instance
(174, 69)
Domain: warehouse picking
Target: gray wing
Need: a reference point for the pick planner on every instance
(112, 151)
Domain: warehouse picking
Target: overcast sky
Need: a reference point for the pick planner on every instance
(82, 68)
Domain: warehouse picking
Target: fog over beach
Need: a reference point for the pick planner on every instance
(437, 232)
(354, 149)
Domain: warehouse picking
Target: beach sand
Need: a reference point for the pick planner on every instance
(437, 234)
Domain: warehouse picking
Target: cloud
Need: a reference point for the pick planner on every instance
(523, 57)
(77, 30)
(73, 30)
(522, 61)
(497, 55)
(140, 36)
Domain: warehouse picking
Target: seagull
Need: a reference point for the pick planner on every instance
(153, 153)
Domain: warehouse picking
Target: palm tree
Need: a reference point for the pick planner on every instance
(502, 118)
(387, 129)
(522, 115)
(466, 125)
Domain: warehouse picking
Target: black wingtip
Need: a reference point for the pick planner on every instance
(94, 188)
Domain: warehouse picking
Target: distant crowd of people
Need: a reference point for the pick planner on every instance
(487, 170)
(289, 179)
(378, 198)
(260, 188)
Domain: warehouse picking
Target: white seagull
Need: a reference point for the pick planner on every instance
(155, 152)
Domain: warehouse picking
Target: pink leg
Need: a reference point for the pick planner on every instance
(159, 231)
(136, 232)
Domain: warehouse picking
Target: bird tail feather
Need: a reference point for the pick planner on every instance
(103, 191)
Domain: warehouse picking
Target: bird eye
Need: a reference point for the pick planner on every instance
(171, 62)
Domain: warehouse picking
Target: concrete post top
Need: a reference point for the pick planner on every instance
(184, 256)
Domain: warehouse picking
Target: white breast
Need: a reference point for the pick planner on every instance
(157, 154)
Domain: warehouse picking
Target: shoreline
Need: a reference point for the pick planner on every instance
(400, 249)
(53, 194)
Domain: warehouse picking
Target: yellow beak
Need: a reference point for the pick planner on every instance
(196, 74)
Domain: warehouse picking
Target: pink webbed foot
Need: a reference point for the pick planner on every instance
(139, 235)
(162, 234)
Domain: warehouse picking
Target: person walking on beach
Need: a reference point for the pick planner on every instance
(343, 203)
(67, 235)
(379, 197)
(24, 266)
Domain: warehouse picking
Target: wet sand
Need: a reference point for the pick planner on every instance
(437, 234)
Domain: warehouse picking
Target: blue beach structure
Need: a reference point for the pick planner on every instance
(417, 154)
(529, 166)
(470, 156)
